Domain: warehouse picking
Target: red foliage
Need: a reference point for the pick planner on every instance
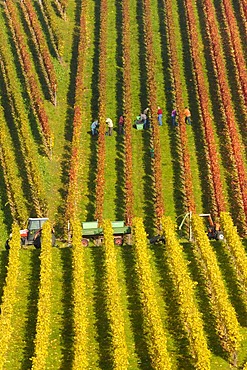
(100, 176)
(127, 114)
(27, 67)
(226, 100)
(204, 101)
(150, 62)
(237, 47)
(190, 201)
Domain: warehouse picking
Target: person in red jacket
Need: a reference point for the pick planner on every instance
(121, 125)
(159, 113)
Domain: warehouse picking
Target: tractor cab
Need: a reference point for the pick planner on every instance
(34, 227)
(32, 234)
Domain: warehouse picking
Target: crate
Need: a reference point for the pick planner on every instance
(139, 126)
(90, 225)
(117, 224)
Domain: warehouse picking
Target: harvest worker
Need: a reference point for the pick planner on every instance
(187, 115)
(174, 115)
(94, 126)
(144, 119)
(147, 112)
(159, 113)
(110, 126)
(121, 125)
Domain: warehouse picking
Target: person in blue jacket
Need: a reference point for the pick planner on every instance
(94, 126)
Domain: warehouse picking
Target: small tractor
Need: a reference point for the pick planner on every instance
(32, 234)
(213, 231)
(213, 228)
(92, 231)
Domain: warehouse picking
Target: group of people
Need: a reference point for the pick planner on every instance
(145, 117)
(142, 118)
(187, 117)
(109, 122)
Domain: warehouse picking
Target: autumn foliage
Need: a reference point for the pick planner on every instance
(101, 153)
(127, 113)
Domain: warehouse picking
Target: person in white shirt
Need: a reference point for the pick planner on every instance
(110, 126)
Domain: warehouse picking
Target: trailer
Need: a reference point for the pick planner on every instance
(92, 232)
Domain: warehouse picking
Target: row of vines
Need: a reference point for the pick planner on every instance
(141, 284)
(184, 290)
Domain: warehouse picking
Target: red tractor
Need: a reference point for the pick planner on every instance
(32, 234)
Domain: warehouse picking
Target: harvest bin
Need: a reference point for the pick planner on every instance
(139, 126)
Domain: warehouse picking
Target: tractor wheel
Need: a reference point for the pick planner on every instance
(118, 240)
(220, 236)
(84, 242)
(7, 245)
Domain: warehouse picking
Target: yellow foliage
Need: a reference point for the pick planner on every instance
(80, 359)
(115, 311)
(43, 325)
(9, 294)
(224, 313)
(184, 288)
(154, 326)
(237, 252)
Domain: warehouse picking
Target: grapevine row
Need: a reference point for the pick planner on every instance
(129, 196)
(223, 312)
(101, 154)
(33, 88)
(150, 63)
(154, 327)
(243, 12)
(114, 306)
(176, 74)
(205, 109)
(245, 8)
(21, 121)
(9, 298)
(61, 7)
(226, 100)
(50, 18)
(41, 48)
(73, 192)
(233, 174)
(237, 47)
(11, 175)
(237, 253)
(80, 315)
(184, 291)
(43, 325)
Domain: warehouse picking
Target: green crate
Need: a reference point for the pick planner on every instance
(117, 224)
(90, 225)
(139, 126)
